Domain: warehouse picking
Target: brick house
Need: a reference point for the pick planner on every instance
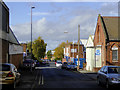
(71, 51)
(107, 41)
(4, 31)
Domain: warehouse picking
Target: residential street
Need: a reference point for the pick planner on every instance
(52, 77)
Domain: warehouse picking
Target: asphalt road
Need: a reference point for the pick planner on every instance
(52, 77)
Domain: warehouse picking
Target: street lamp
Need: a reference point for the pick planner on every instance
(31, 35)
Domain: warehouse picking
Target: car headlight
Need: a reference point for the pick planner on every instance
(114, 79)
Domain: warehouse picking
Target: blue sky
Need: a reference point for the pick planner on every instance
(51, 19)
(20, 11)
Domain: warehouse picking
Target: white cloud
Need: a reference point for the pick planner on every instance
(40, 13)
(52, 31)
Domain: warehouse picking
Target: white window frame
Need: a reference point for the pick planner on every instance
(114, 48)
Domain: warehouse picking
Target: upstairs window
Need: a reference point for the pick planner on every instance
(115, 53)
(98, 34)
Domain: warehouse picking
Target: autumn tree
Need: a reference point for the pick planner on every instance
(38, 48)
(49, 54)
(29, 46)
(59, 51)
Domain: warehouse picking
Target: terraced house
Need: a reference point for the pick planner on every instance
(107, 41)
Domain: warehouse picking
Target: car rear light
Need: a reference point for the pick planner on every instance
(10, 74)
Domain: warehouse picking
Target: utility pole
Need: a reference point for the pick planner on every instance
(31, 36)
(78, 47)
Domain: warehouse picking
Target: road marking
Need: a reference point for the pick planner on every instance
(33, 85)
(42, 80)
(44, 67)
(39, 80)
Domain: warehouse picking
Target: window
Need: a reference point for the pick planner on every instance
(105, 70)
(102, 69)
(115, 53)
(4, 67)
(114, 70)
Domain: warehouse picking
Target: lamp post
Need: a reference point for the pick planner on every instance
(73, 49)
(78, 46)
(65, 48)
(31, 35)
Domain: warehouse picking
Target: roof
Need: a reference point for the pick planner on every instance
(5, 6)
(110, 27)
(12, 38)
(90, 41)
(83, 41)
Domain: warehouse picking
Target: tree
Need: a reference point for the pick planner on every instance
(39, 48)
(49, 54)
(29, 47)
(59, 51)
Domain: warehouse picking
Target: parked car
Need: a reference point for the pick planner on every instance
(9, 75)
(43, 62)
(29, 63)
(37, 64)
(58, 63)
(71, 66)
(109, 76)
(64, 65)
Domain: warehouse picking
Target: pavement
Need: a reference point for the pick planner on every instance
(27, 78)
(92, 75)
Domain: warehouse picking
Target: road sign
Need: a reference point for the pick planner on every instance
(97, 52)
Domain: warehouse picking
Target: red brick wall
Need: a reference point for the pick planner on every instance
(106, 54)
(109, 53)
(75, 53)
(81, 47)
(16, 59)
(99, 39)
(24, 47)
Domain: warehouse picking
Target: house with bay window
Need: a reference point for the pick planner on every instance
(107, 41)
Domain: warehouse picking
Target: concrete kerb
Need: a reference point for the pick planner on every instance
(92, 75)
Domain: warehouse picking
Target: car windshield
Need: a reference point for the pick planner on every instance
(59, 62)
(65, 62)
(4, 67)
(72, 63)
(27, 61)
(114, 70)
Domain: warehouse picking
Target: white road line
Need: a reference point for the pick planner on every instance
(42, 80)
(44, 67)
(33, 85)
(39, 80)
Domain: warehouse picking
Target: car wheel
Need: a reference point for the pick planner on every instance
(107, 84)
(13, 86)
(98, 82)
(75, 69)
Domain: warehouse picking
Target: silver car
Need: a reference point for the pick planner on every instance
(109, 76)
